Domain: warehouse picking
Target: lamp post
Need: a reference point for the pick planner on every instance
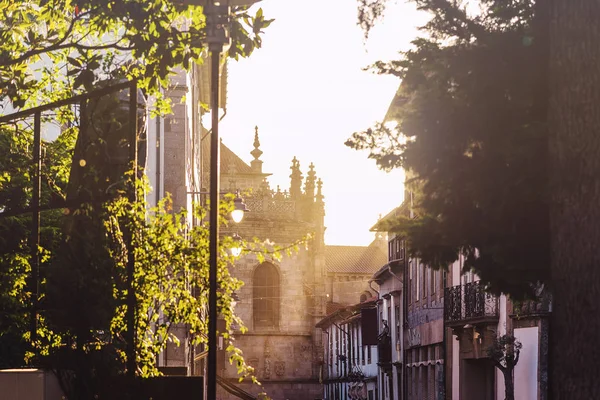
(217, 15)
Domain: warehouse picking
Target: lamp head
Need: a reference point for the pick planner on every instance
(236, 249)
(239, 208)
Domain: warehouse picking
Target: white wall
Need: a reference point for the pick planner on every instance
(503, 316)
(455, 369)
(527, 368)
(29, 384)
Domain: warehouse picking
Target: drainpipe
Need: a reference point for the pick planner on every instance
(200, 155)
(372, 288)
(404, 326)
(445, 346)
(158, 160)
(393, 274)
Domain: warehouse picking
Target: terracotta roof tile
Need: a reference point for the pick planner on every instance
(228, 158)
(332, 307)
(355, 259)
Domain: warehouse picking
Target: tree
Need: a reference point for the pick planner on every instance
(574, 86)
(82, 318)
(15, 194)
(504, 352)
(171, 287)
(471, 134)
(567, 84)
(50, 50)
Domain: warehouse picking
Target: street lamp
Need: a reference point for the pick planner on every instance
(236, 249)
(217, 19)
(239, 209)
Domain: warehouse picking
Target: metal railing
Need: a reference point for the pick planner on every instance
(35, 206)
(537, 307)
(469, 303)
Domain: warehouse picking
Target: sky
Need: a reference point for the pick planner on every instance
(307, 92)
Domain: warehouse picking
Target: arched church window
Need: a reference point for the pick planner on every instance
(266, 296)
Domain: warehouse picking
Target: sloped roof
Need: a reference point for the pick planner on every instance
(332, 307)
(228, 158)
(355, 259)
(344, 313)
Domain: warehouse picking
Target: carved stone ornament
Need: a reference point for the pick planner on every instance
(280, 368)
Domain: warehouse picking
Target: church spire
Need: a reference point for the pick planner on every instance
(320, 214)
(256, 164)
(319, 197)
(309, 187)
(296, 180)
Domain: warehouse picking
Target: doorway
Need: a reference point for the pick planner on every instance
(478, 379)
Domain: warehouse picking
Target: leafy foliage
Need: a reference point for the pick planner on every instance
(471, 134)
(52, 48)
(82, 320)
(369, 12)
(504, 352)
(15, 195)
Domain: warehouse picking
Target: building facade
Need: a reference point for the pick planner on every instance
(282, 299)
(474, 319)
(349, 270)
(435, 328)
(350, 360)
(390, 333)
(412, 302)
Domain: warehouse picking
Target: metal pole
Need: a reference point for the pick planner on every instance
(211, 387)
(131, 362)
(35, 221)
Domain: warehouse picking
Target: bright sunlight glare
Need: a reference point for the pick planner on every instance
(307, 91)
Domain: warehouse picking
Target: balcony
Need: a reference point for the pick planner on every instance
(396, 250)
(469, 304)
(539, 307)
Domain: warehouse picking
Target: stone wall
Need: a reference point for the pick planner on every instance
(175, 138)
(346, 289)
(297, 292)
(287, 358)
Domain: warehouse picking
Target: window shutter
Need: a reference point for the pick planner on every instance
(368, 321)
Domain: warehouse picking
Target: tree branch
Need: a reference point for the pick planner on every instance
(58, 45)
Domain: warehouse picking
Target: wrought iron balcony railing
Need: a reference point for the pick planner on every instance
(533, 308)
(469, 303)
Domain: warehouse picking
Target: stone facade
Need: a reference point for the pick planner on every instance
(349, 270)
(286, 350)
(287, 353)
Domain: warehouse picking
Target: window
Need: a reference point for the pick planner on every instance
(362, 347)
(266, 296)
(396, 249)
(414, 281)
(366, 295)
(397, 322)
(422, 284)
(330, 336)
(389, 318)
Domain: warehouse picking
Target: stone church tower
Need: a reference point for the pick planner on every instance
(281, 300)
